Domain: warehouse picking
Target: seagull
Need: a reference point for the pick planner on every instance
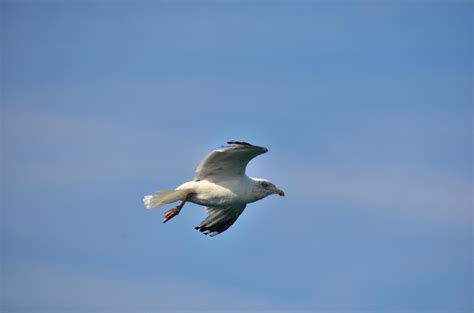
(220, 185)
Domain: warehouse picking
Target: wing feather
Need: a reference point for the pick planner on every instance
(229, 161)
(219, 219)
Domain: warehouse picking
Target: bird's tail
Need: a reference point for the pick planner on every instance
(163, 197)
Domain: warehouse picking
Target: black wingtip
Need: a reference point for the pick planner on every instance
(236, 142)
(243, 143)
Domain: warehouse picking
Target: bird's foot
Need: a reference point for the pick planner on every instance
(170, 214)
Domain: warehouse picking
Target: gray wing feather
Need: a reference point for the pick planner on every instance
(227, 162)
(219, 219)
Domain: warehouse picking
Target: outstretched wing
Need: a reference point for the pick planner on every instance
(228, 161)
(219, 219)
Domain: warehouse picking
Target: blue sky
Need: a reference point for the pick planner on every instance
(366, 108)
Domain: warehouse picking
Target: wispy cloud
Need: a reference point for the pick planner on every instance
(422, 195)
(44, 148)
(41, 287)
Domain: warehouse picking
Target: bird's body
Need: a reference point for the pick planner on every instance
(224, 193)
(220, 184)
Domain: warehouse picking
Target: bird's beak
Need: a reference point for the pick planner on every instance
(280, 192)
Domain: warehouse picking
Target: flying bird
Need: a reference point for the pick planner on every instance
(221, 185)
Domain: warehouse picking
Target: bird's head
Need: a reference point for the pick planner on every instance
(263, 188)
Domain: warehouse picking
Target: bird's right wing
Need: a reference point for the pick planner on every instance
(228, 162)
(219, 219)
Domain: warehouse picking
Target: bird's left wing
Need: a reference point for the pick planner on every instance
(219, 219)
(228, 161)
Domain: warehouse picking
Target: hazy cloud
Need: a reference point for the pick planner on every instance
(423, 195)
(44, 148)
(40, 287)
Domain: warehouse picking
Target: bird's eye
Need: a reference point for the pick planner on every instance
(264, 184)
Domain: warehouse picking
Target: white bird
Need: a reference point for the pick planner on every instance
(221, 185)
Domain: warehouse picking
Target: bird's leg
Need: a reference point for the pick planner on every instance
(174, 211)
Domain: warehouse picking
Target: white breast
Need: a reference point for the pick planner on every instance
(212, 194)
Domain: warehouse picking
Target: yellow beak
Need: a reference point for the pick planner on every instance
(281, 193)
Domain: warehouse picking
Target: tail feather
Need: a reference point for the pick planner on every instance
(163, 197)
